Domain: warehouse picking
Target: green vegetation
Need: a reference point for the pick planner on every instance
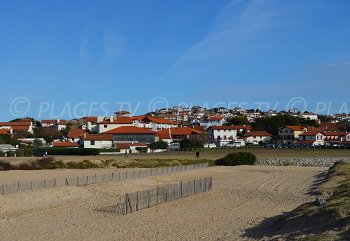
(159, 145)
(238, 158)
(191, 143)
(69, 151)
(273, 123)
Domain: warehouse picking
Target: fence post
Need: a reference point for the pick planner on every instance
(18, 186)
(137, 201)
(77, 181)
(3, 189)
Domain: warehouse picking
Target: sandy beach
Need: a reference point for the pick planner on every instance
(241, 198)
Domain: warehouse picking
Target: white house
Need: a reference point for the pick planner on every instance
(18, 126)
(213, 121)
(312, 138)
(258, 137)
(309, 116)
(222, 135)
(154, 123)
(289, 134)
(61, 124)
(113, 122)
(99, 141)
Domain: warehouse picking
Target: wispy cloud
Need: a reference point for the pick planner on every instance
(237, 22)
(114, 44)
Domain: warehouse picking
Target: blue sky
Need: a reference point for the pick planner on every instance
(71, 58)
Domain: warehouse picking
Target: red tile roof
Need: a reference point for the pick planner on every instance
(161, 120)
(130, 130)
(99, 137)
(4, 131)
(76, 133)
(332, 133)
(139, 117)
(20, 128)
(215, 118)
(305, 142)
(119, 120)
(296, 128)
(21, 123)
(177, 131)
(90, 118)
(64, 144)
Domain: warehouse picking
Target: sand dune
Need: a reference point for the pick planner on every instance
(241, 198)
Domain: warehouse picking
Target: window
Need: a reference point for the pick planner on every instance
(92, 143)
(105, 126)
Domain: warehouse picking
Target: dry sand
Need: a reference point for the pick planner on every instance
(241, 198)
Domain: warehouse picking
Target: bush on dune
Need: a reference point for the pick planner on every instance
(238, 158)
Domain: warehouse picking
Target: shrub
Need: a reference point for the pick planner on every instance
(141, 149)
(187, 143)
(158, 145)
(2, 154)
(238, 158)
(4, 166)
(69, 151)
(82, 165)
(46, 163)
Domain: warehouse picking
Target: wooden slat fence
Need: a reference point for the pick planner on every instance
(135, 201)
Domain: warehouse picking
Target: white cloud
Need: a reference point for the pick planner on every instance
(114, 44)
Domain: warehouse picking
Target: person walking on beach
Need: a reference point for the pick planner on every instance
(126, 154)
(197, 155)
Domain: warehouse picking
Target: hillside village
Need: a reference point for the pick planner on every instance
(180, 127)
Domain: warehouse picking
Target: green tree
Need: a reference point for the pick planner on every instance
(191, 143)
(238, 120)
(158, 145)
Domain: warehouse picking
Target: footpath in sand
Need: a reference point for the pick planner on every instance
(241, 198)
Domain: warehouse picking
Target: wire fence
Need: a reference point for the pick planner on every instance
(135, 201)
(26, 186)
(129, 174)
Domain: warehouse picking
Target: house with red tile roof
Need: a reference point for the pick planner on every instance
(75, 135)
(290, 134)
(315, 138)
(65, 144)
(132, 134)
(17, 126)
(61, 124)
(178, 134)
(155, 123)
(110, 123)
